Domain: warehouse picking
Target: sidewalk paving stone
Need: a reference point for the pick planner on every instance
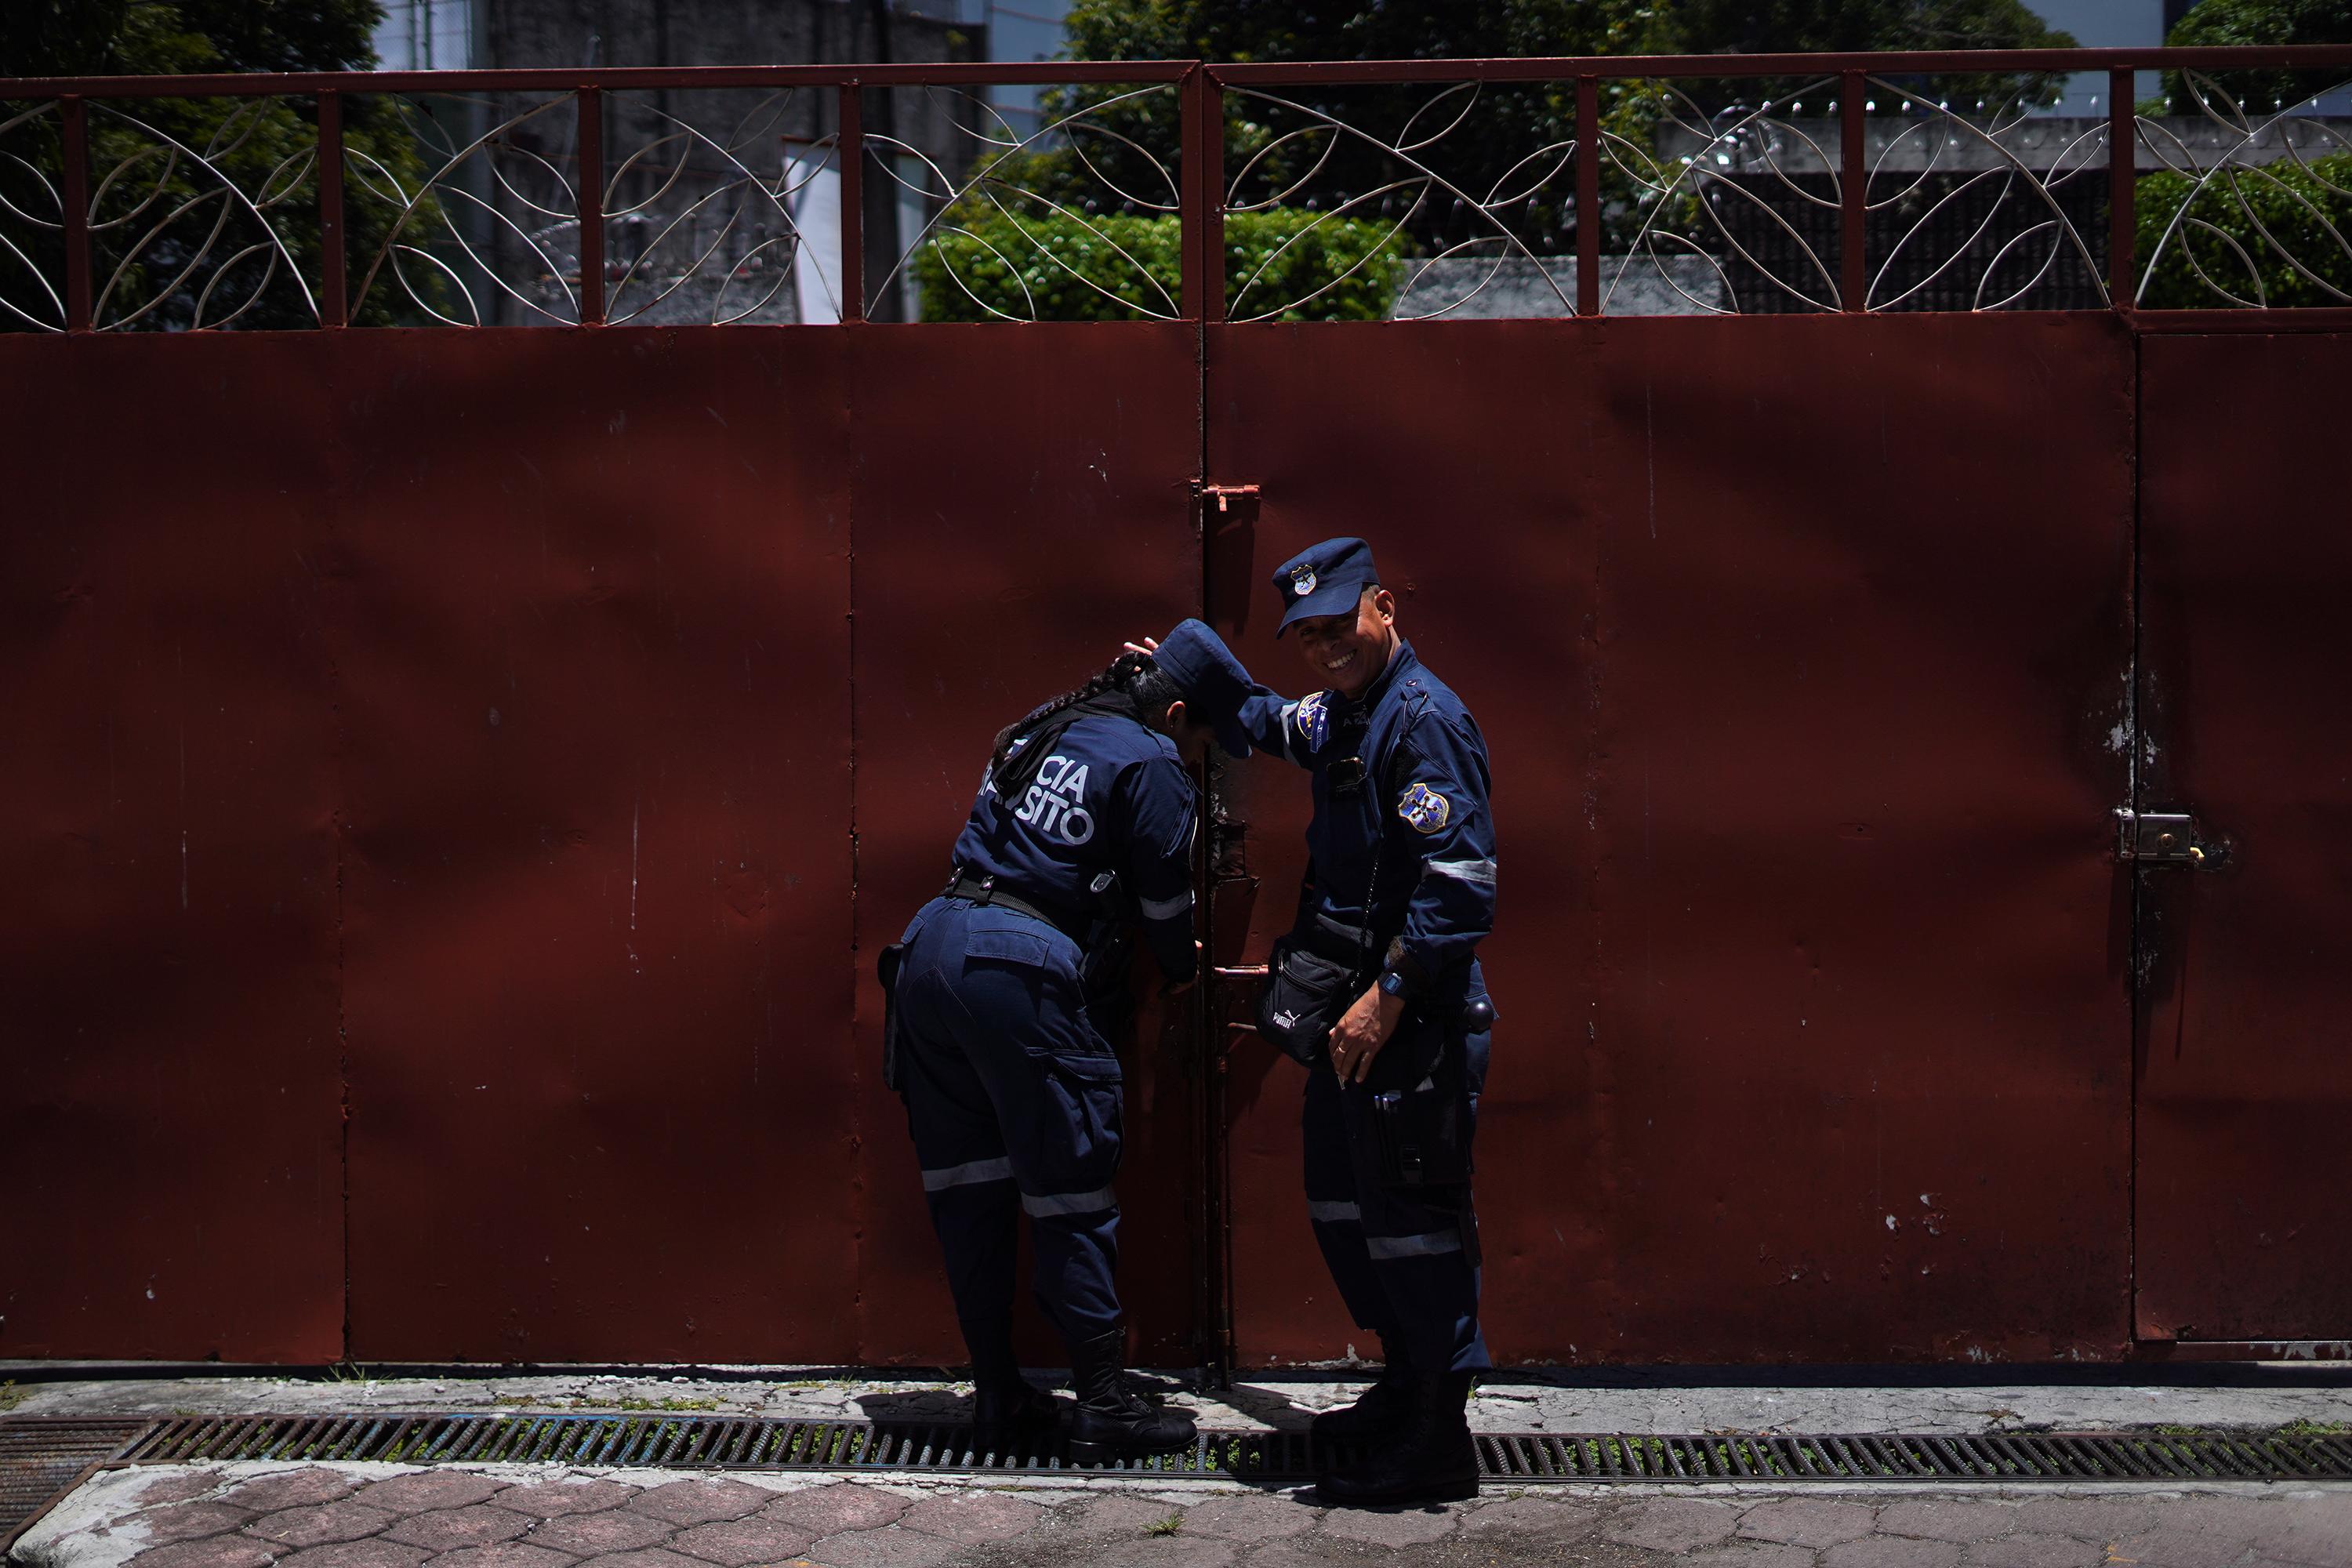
(1671, 1524)
(505, 1554)
(735, 1542)
(891, 1546)
(2105, 1519)
(589, 1534)
(972, 1518)
(193, 1520)
(1164, 1551)
(700, 1502)
(2170, 1548)
(305, 1488)
(647, 1559)
(2297, 1534)
(357, 1555)
(447, 1529)
(186, 1486)
(1390, 1527)
(1948, 1519)
(1751, 1554)
(1121, 1513)
(2025, 1549)
(553, 1499)
(1813, 1522)
(214, 1551)
(1250, 1518)
(428, 1489)
(1562, 1519)
(320, 1525)
(837, 1507)
(1893, 1551)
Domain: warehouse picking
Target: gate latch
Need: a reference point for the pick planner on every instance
(2163, 838)
(1225, 495)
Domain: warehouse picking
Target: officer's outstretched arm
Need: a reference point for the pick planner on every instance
(1289, 727)
(1442, 790)
(1160, 810)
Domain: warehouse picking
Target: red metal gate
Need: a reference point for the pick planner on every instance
(1808, 992)
(2244, 1084)
(458, 780)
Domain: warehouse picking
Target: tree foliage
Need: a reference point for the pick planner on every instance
(986, 264)
(175, 183)
(2279, 235)
(2219, 24)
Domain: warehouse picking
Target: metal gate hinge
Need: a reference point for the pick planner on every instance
(2163, 838)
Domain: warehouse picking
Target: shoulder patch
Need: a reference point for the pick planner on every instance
(1315, 720)
(1423, 808)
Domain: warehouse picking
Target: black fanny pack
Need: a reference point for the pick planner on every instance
(1314, 976)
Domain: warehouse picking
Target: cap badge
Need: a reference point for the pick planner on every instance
(1302, 582)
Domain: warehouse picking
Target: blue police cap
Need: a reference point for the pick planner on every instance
(1324, 579)
(1212, 679)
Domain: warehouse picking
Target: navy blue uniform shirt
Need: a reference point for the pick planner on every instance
(1112, 796)
(1424, 802)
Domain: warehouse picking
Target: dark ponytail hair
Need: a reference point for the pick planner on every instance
(1131, 686)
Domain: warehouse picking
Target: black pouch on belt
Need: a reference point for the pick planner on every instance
(1313, 977)
(1422, 1133)
(886, 969)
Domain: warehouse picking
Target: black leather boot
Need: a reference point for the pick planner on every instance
(1379, 1412)
(1011, 1415)
(1110, 1419)
(1432, 1460)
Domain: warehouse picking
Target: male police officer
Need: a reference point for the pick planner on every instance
(1083, 824)
(1401, 849)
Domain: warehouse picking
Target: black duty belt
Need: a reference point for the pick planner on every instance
(983, 890)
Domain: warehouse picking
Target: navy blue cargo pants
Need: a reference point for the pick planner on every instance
(1404, 1258)
(1013, 1099)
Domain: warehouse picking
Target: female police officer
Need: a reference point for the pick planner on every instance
(1084, 824)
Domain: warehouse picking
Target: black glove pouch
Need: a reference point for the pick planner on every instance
(1313, 977)
(886, 969)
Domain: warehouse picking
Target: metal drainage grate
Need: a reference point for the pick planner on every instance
(43, 1458)
(720, 1441)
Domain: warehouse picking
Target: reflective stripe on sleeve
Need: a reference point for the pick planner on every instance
(1479, 871)
(1166, 908)
(1430, 1245)
(1047, 1204)
(970, 1175)
(1332, 1212)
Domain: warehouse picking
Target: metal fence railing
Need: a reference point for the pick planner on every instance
(1176, 190)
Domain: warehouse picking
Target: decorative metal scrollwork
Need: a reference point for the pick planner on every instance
(1077, 220)
(201, 213)
(32, 220)
(1460, 239)
(697, 227)
(2247, 210)
(1982, 210)
(1738, 193)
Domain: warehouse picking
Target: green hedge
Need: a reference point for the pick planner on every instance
(2277, 194)
(1075, 271)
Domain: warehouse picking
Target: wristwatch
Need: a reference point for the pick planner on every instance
(1392, 984)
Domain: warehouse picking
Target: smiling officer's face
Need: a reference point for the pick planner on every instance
(1348, 652)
